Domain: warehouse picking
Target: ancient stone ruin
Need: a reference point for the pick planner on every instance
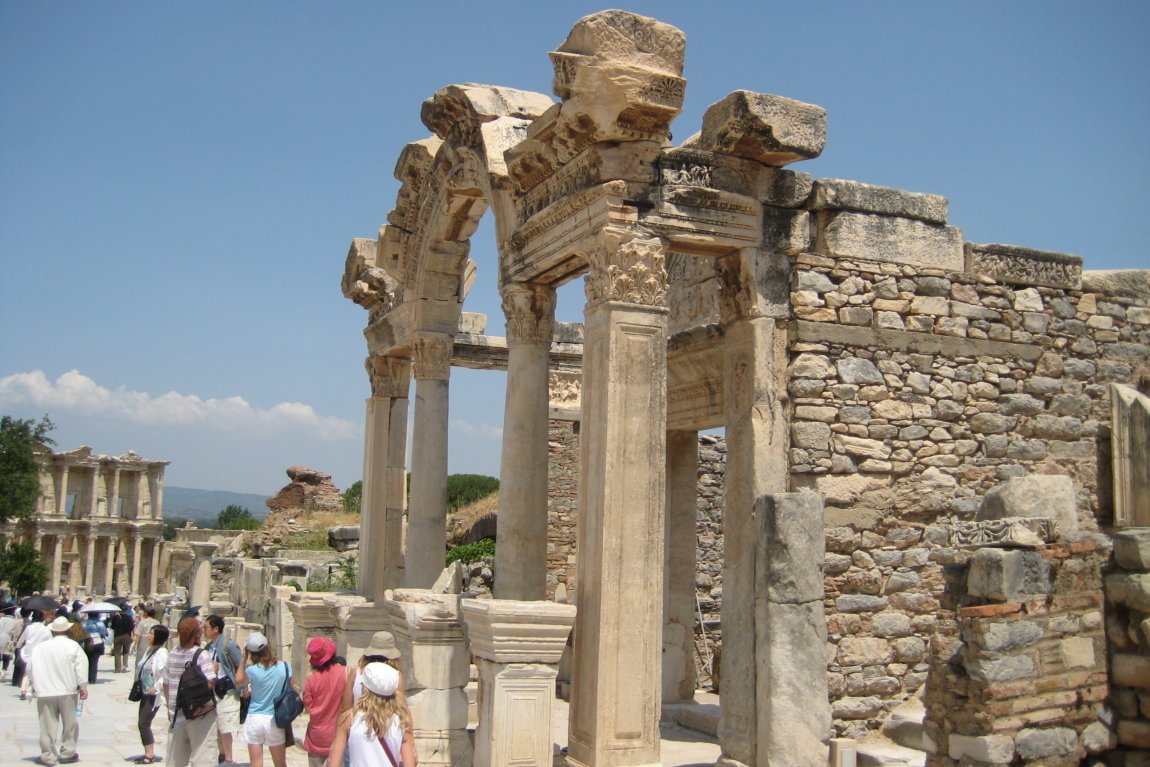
(895, 400)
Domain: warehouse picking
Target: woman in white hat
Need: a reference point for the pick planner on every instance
(373, 731)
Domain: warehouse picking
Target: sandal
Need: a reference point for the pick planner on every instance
(143, 760)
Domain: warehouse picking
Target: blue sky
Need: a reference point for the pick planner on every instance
(179, 184)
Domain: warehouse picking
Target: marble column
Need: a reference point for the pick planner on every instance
(427, 518)
(754, 396)
(56, 564)
(679, 571)
(154, 572)
(616, 679)
(114, 494)
(61, 491)
(384, 499)
(90, 563)
(156, 481)
(521, 557)
(517, 647)
(428, 630)
(200, 591)
(94, 497)
(109, 565)
(137, 542)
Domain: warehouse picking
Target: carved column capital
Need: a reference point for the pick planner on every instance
(390, 376)
(632, 271)
(431, 356)
(530, 312)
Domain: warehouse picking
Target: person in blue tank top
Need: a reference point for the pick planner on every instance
(267, 678)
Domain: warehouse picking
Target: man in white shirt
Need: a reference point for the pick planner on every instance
(34, 633)
(58, 672)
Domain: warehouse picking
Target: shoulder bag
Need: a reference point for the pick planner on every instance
(288, 704)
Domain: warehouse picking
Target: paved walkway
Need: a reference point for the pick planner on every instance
(109, 737)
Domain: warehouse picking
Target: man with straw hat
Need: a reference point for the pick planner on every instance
(58, 673)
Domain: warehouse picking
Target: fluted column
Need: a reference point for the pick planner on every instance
(521, 557)
(110, 565)
(154, 572)
(679, 568)
(90, 563)
(137, 542)
(384, 499)
(427, 519)
(57, 562)
(615, 716)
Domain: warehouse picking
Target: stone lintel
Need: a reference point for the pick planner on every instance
(888, 239)
(841, 194)
(772, 130)
(918, 343)
(1015, 265)
(511, 631)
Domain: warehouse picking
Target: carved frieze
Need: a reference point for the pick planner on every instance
(390, 376)
(431, 356)
(1006, 532)
(530, 313)
(632, 272)
(1024, 266)
(736, 291)
(564, 388)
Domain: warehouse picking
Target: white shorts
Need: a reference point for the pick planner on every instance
(261, 730)
(228, 714)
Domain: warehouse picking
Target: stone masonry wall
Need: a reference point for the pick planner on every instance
(914, 392)
(1019, 676)
(562, 505)
(1128, 630)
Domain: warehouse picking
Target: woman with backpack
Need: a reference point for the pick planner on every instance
(374, 731)
(188, 688)
(150, 672)
(268, 678)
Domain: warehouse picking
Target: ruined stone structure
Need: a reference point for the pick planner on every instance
(858, 354)
(99, 522)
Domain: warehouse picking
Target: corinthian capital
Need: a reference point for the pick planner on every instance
(631, 271)
(530, 313)
(431, 356)
(390, 376)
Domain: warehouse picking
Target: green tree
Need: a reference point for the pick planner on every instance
(353, 498)
(20, 565)
(236, 518)
(463, 489)
(19, 472)
(171, 525)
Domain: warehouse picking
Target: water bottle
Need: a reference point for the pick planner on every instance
(79, 708)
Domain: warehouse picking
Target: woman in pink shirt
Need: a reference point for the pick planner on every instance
(321, 695)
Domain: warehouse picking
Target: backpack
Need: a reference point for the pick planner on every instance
(194, 696)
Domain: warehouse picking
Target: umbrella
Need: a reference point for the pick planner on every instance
(100, 607)
(42, 603)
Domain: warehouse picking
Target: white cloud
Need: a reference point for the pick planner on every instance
(76, 392)
(482, 430)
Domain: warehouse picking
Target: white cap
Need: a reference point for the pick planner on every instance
(256, 642)
(381, 679)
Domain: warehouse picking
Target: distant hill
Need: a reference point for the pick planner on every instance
(197, 505)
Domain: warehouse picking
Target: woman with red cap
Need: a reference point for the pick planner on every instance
(321, 695)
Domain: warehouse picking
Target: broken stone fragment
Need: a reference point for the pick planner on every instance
(768, 129)
(839, 194)
(1050, 496)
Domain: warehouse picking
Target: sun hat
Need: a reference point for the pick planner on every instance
(256, 642)
(60, 625)
(321, 650)
(382, 643)
(381, 679)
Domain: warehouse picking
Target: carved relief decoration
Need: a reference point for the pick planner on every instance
(1006, 532)
(1024, 266)
(390, 376)
(431, 356)
(565, 388)
(736, 296)
(530, 313)
(632, 272)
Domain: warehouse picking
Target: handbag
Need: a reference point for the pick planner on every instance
(288, 704)
(136, 694)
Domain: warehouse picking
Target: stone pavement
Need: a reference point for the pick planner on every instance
(108, 734)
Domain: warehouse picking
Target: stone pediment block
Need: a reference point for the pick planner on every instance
(509, 631)
(838, 194)
(768, 129)
(1024, 266)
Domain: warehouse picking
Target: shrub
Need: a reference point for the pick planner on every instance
(463, 489)
(472, 552)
